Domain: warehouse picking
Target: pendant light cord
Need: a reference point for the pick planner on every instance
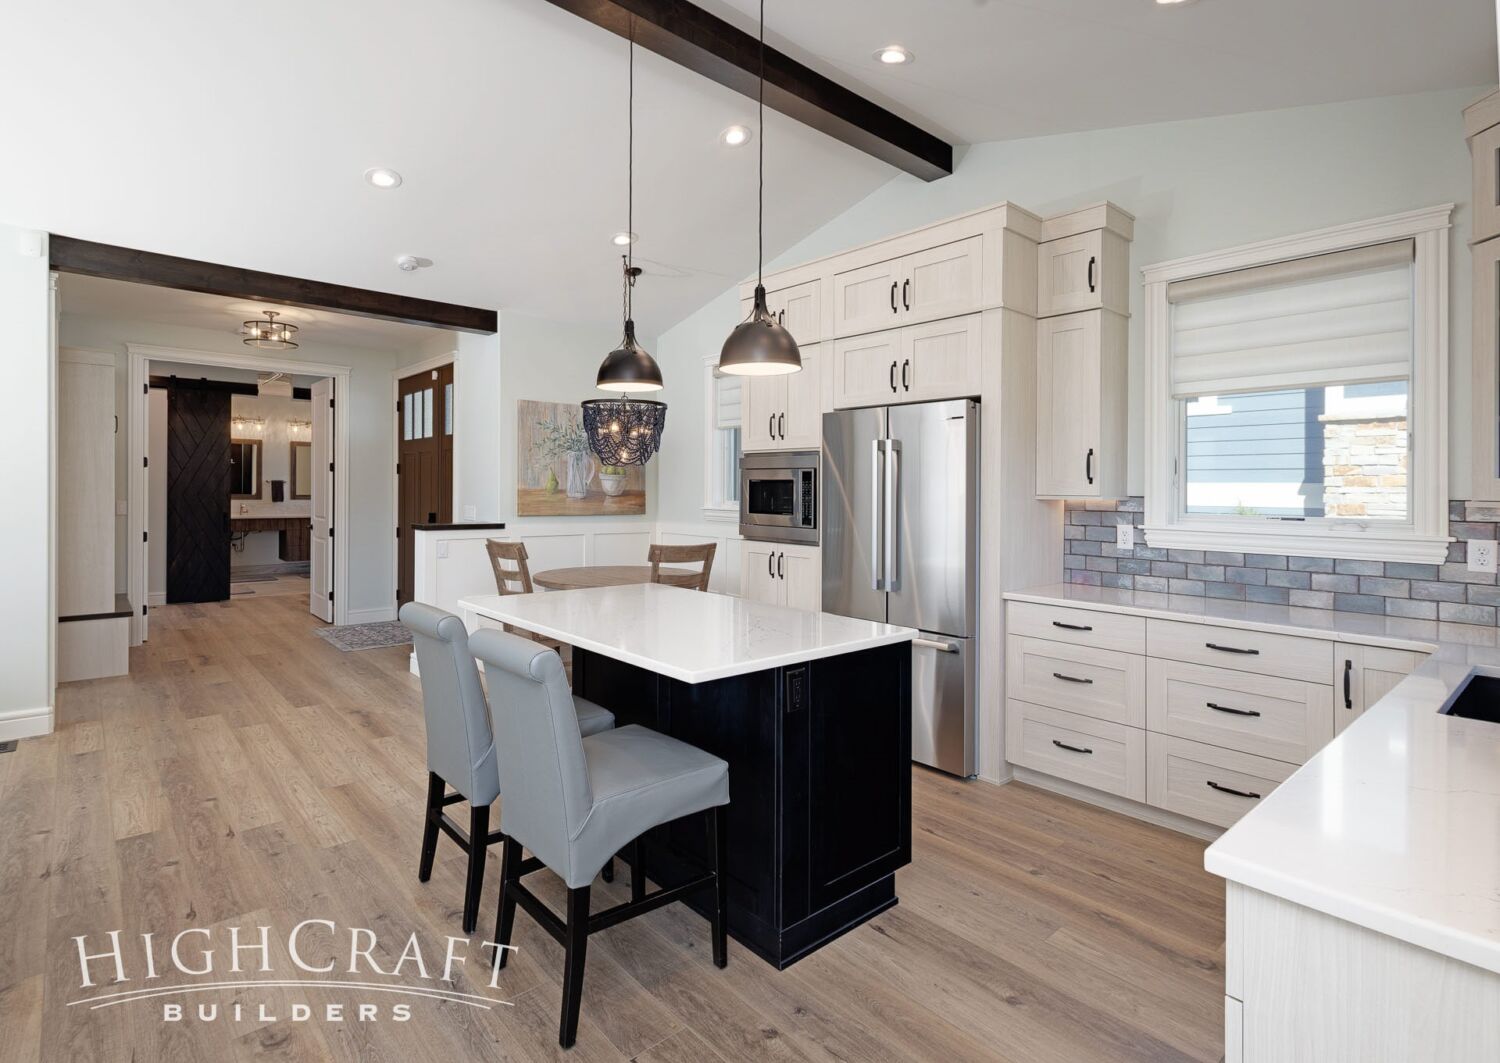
(760, 119)
(630, 177)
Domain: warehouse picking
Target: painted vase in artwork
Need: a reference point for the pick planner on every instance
(580, 474)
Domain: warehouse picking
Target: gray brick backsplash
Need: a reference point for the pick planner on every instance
(1447, 592)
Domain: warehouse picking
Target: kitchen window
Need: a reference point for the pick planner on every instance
(1297, 395)
(721, 474)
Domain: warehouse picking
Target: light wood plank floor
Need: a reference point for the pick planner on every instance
(246, 773)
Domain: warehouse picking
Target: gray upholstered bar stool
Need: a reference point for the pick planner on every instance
(575, 800)
(461, 744)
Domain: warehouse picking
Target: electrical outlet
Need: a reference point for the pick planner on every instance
(1481, 555)
(1125, 536)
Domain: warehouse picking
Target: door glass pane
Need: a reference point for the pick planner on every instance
(1338, 452)
(406, 412)
(427, 413)
(447, 409)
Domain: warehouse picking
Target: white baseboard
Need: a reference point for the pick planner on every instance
(25, 723)
(370, 616)
(156, 599)
(1123, 805)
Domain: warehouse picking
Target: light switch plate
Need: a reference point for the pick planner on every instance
(1125, 536)
(1481, 555)
(442, 548)
(471, 513)
(122, 508)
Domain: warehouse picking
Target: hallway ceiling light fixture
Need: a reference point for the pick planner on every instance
(383, 177)
(736, 136)
(627, 431)
(759, 345)
(270, 334)
(895, 55)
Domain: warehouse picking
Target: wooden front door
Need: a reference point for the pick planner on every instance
(424, 469)
(197, 493)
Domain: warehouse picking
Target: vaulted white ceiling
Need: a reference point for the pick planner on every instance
(238, 133)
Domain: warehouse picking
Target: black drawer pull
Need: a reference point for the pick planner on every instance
(893, 377)
(1232, 649)
(1348, 674)
(1070, 749)
(1071, 627)
(1232, 712)
(893, 297)
(1232, 790)
(1093, 259)
(1071, 678)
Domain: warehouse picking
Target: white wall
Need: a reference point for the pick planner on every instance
(27, 434)
(1193, 186)
(371, 541)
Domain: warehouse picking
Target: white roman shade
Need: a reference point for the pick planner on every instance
(1340, 318)
(727, 402)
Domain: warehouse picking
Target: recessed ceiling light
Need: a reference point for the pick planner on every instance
(383, 177)
(412, 263)
(735, 136)
(893, 55)
(1172, 3)
(623, 239)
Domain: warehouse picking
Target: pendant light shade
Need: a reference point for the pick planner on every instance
(629, 367)
(759, 345)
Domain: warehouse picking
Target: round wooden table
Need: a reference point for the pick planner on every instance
(567, 579)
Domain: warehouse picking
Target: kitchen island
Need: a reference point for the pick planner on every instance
(813, 714)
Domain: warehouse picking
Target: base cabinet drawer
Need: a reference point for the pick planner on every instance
(1205, 782)
(1106, 756)
(1104, 684)
(1289, 656)
(1081, 627)
(1284, 719)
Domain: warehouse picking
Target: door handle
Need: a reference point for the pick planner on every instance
(1232, 712)
(893, 378)
(1232, 649)
(1088, 465)
(892, 504)
(1072, 679)
(934, 644)
(1348, 689)
(905, 367)
(781, 426)
(781, 317)
(893, 297)
(1232, 790)
(1093, 260)
(781, 566)
(1076, 749)
(876, 506)
(1072, 627)
(905, 293)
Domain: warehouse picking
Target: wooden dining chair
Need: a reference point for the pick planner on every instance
(513, 576)
(672, 555)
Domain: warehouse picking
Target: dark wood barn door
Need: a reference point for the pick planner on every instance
(197, 493)
(424, 470)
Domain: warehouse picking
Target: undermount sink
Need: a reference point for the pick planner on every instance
(1477, 698)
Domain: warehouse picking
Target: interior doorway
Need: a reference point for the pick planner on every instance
(424, 462)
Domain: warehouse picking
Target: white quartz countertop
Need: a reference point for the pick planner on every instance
(1395, 824)
(689, 635)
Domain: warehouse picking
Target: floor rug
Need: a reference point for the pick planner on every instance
(365, 636)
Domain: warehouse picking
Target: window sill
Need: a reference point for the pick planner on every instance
(721, 515)
(1357, 546)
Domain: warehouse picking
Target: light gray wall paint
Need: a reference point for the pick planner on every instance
(1193, 186)
(371, 541)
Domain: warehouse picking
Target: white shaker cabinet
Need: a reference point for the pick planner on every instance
(1365, 674)
(866, 299)
(781, 574)
(865, 368)
(1087, 271)
(1081, 405)
(923, 286)
(784, 412)
(918, 363)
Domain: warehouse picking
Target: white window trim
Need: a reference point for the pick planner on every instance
(1425, 539)
(714, 513)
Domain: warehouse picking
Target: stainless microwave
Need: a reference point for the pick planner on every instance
(779, 496)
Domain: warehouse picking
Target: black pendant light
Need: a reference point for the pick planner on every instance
(627, 431)
(759, 346)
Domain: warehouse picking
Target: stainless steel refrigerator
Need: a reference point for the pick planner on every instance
(900, 544)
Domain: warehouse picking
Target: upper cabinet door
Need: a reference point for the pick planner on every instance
(1485, 149)
(798, 310)
(1068, 406)
(942, 281)
(803, 427)
(762, 401)
(865, 369)
(939, 360)
(868, 298)
(1069, 274)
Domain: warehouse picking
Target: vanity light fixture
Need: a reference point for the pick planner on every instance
(242, 425)
(759, 345)
(627, 431)
(736, 136)
(383, 177)
(270, 334)
(895, 55)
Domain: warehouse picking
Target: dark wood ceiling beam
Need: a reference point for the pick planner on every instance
(708, 45)
(70, 255)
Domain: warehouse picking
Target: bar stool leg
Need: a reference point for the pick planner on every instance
(435, 789)
(637, 871)
(479, 831)
(718, 836)
(577, 952)
(505, 916)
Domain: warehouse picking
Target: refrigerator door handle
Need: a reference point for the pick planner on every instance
(934, 644)
(876, 572)
(892, 508)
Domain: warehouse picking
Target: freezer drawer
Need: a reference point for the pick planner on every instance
(943, 732)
